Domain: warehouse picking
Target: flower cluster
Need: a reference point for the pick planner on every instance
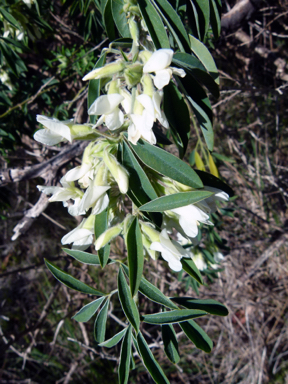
(132, 103)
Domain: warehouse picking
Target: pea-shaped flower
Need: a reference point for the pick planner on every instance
(159, 63)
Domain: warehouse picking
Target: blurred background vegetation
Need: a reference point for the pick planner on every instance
(46, 48)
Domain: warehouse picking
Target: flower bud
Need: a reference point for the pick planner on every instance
(133, 74)
(148, 87)
(106, 71)
(134, 30)
(118, 171)
(150, 232)
(107, 236)
(79, 130)
(144, 56)
(113, 87)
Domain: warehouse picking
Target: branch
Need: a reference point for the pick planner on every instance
(44, 169)
(243, 10)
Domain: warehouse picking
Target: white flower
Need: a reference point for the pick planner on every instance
(117, 170)
(107, 106)
(199, 261)
(54, 132)
(66, 192)
(159, 63)
(142, 124)
(82, 236)
(171, 251)
(189, 217)
(96, 197)
(218, 196)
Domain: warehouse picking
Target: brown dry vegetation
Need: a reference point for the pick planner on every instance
(40, 342)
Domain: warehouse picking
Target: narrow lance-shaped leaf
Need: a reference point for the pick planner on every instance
(197, 335)
(175, 200)
(203, 11)
(171, 317)
(212, 181)
(120, 18)
(170, 343)
(125, 357)
(215, 20)
(108, 19)
(195, 68)
(154, 24)
(83, 257)
(167, 164)
(88, 310)
(204, 55)
(100, 226)
(178, 116)
(100, 323)
(189, 266)
(114, 340)
(153, 293)
(135, 255)
(208, 305)
(173, 23)
(149, 361)
(70, 281)
(127, 303)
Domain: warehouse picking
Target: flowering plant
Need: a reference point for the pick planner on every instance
(129, 186)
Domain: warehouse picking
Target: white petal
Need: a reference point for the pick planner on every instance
(101, 204)
(76, 235)
(92, 194)
(48, 190)
(133, 134)
(75, 209)
(162, 78)
(44, 136)
(147, 103)
(83, 244)
(56, 126)
(105, 104)
(115, 119)
(159, 60)
(178, 71)
(78, 172)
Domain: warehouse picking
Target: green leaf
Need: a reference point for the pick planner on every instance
(175, 200)
(203, 54)
(173, 22)
(7, 16)
(189, 266)
(208, 305)
(213, 181)
(95, 87)
(215, 19)
(122, 43)
(140, 189)
(17, 43)
(108, 19)
(154, 24)
(114, 340)
(100, 323)
(153, 293)
(139, 183)
(120, 18)
(83, 257)
(205, 123)
(100, 226)
(197, 335)
(178, 116)
(14, 61)
(167, 164)
(125, 357)
(170, 343)
(203, 11)
(149, 361)
(201, 107)
(127, 303)
(193, 66)
(135, 255)
(175, 316)
(70, 281)
(88, 310)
